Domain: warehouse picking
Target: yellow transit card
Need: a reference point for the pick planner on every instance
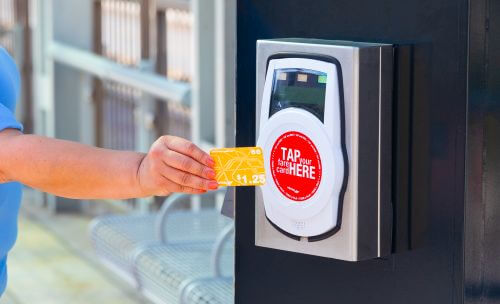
(239, 166)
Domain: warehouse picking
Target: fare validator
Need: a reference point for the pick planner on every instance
(324, 124)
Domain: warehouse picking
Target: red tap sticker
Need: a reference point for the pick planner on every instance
(296, 166)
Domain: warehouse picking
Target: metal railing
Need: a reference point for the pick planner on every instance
(121, 31)
(173, 59)
(118, 37)
(137, 92)
(105, 69)
(122, 34)
(178, 43)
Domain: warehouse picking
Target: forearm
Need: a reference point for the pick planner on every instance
(71, 169)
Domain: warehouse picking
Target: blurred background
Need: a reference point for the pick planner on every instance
(118, 74)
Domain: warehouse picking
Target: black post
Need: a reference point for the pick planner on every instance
(482, 208)
(449, 160)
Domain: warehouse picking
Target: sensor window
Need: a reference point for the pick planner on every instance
(299, 88)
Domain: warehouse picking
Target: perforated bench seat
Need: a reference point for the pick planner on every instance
(210, 291)
(117, 237)
(163, 271)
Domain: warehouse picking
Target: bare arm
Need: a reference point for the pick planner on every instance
(74, 170)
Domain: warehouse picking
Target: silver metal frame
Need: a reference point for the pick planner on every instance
(366, 229)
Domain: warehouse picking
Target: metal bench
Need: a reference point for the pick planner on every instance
(209, 291)
(117, 237)
(217, 289)
(164, 271)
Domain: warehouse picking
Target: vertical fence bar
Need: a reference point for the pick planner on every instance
(22, 13)
(161, 118)
(47, 106)
(97, 94)
(145, 125)
(225, 69)
(122, 22)
(145, 116)
(202, 100)
(220, 83)
(145, 29)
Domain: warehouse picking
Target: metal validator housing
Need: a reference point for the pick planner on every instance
(324, 122)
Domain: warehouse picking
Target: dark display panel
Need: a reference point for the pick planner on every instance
(299, 88)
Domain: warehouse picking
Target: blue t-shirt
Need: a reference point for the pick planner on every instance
(10, 193)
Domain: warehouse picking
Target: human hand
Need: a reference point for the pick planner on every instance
(174, 164)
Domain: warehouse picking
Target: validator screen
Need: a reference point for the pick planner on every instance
(299, 88)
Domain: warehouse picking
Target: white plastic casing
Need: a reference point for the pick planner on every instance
(319, 213)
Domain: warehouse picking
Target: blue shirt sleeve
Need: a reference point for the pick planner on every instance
(7, 119)
(10, 193)
(9, 91)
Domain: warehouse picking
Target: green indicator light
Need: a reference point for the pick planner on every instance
(322, 79)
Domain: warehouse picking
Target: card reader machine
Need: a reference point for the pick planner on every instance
(324, 123)
(302, 133)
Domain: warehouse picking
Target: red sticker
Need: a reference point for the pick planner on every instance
(296, 166)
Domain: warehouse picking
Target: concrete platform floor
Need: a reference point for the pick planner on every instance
(52, 263)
